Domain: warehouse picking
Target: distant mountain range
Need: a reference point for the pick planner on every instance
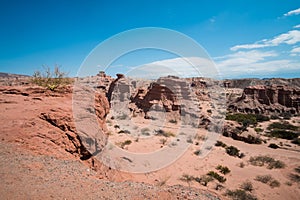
(8, 75)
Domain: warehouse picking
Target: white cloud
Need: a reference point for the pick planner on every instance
(182, 67)
(243, 58)
(293, 12)
(297, 26)
(295, 51)
(254, 63)
(291, 37)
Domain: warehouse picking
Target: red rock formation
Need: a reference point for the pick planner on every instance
(268, 99)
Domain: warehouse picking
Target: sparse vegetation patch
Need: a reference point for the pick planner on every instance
(266, 160)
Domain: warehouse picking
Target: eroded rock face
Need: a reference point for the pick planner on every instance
(268, 99)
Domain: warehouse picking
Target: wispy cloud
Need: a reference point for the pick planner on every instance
(297, 26)
(292, 12)
(254, 63)
(182, 67)
(291, 37)
(295, 51)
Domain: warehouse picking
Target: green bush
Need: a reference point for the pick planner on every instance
(220, 144)
(204, 180)
(126, 142)
(232, 151)
(258, 130)
(216, 176)
(271, 162)
(247, 119)
(288, 135)
(247, 186)
(273, 146)
(283, 126)
(50, 80)
(165, 133)
(223, 169)
(268, 179)
(263, 178)
(296, 141)
(240, 195)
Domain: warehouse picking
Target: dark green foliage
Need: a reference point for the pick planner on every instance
(204, 180)
(220, 144)
(232, 151)
(198, 152)
(284, 126)
(268, 179)
(297, 169)
(283, 130)
(247, 186)
(126, 142)
(223, 169)
(252, 140)
(286, 115)
(247, 119)
(262, 160)
(288, 135)
(296, 141)
(295, 178)
(273, 146)
(240, 195)
(216, 176)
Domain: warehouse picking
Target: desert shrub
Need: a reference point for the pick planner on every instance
(241, 165)
(252, 140)
(189, 140)
(242, 118)
(220, 144)
(174, 121)
(198, 152)
(296, 141)
(258, 130)
(273, 146)
(295, 177)
(223, 169)
(165, 133)
(216, 176)
(232, 151)
(187, 178)
(240, 195)
(247, 119)
(274, 117)
(261, 118)
(284, 126)
(145, 131)
(125, 143)
(268, 179)
(285, 115)
(263, 178)
(271, 162)
(116, 126)
(204, 179)
(274, 183)
(297, 169)
(247, 186)
(163, 141)
(50, 80)
(284, 134)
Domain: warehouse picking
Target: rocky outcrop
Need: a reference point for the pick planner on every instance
(267, 99)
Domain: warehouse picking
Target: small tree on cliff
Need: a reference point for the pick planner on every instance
(50, 80)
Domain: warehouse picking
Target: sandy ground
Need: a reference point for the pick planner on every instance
(33, 167)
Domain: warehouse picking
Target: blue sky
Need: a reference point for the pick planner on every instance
(245, 38)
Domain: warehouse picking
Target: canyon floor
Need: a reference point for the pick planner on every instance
(43, 158)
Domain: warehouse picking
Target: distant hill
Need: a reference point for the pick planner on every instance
(8, 75)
